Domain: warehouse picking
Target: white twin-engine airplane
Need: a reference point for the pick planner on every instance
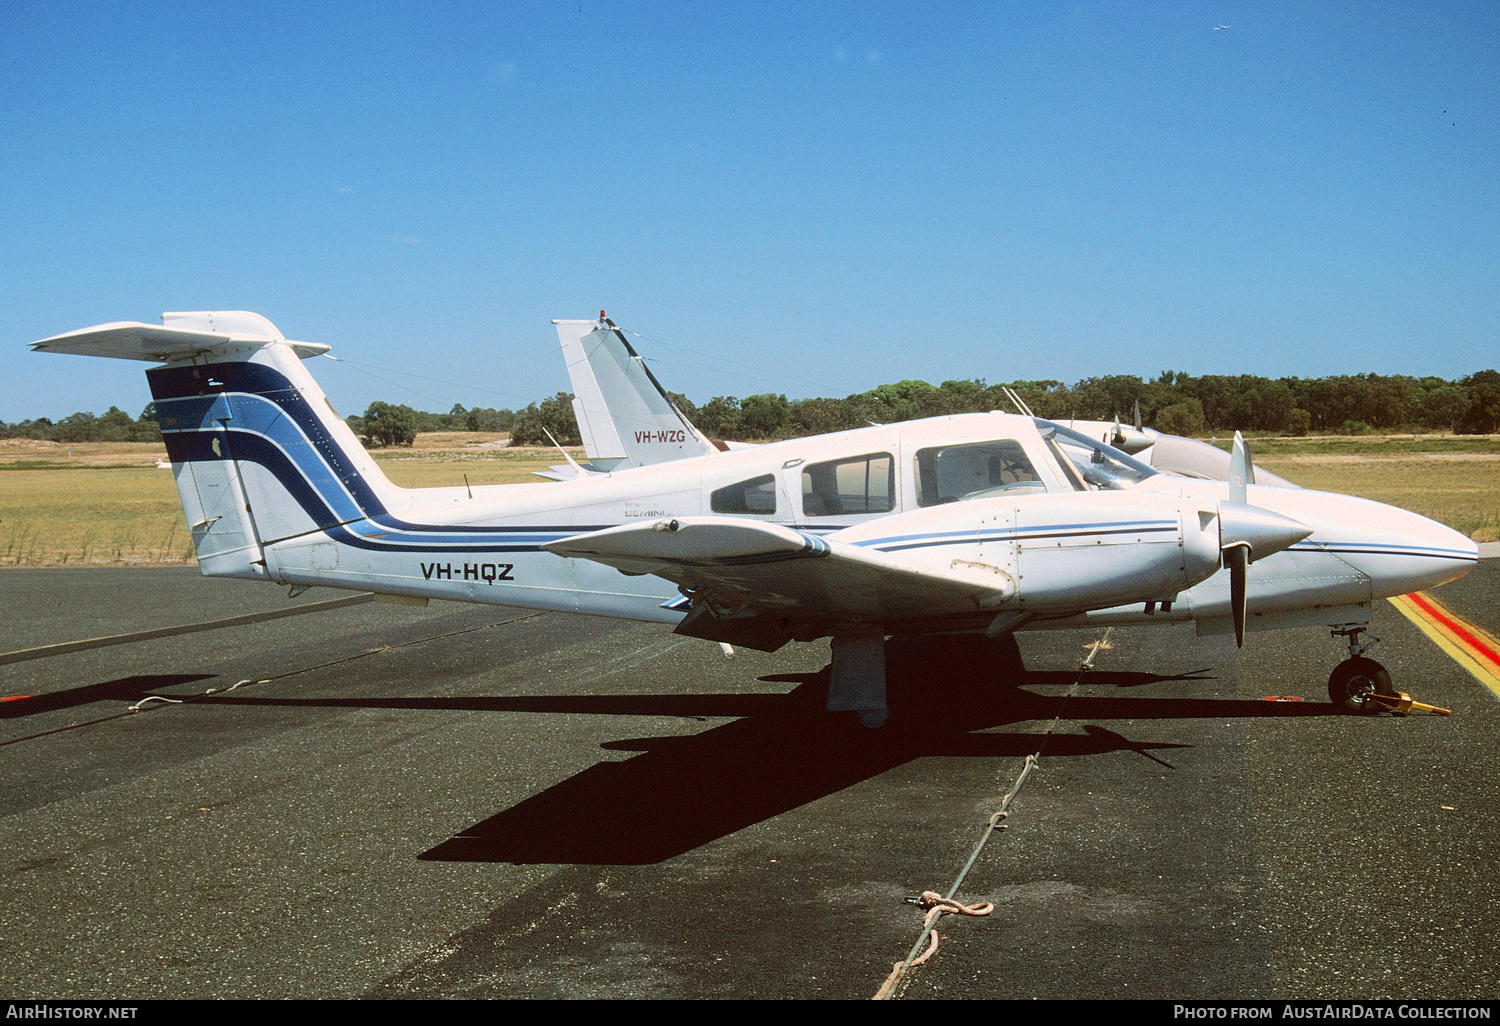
(985, 523)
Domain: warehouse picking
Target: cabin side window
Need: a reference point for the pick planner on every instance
(756, 496)
(952, 473)
(853, 486)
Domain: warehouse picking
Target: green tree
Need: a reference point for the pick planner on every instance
(1483, 416)
(1184, 418)
(901, 400)
(385, 424)
(819, 417)
(77, 427)
(1444, 408)
(146, 428)
(1051, 399)
(484, 419)
(1108, 397)
(765, 415)
(553, 415)
(116, 426)
(720, 417)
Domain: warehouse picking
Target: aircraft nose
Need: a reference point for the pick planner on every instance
(1447, 538)
(1419, 553)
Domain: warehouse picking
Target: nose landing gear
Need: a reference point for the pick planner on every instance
(1356, 681)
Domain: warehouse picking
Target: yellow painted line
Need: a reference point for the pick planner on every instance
(1471, 647)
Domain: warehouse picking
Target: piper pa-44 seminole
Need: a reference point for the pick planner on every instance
(985, 523)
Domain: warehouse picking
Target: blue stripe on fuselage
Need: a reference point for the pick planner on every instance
(938, 538)
(197, 447)
(356, 530)
(253, 398)
(278, 411)
(1384, 549)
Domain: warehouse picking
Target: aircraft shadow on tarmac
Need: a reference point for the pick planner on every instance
(784, 750)
(685, 791)
(128, 689)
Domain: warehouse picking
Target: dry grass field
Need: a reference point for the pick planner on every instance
(1453, 479)
(108, 502)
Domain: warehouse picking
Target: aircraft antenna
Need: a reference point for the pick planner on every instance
(571, 462)
(1017, 401)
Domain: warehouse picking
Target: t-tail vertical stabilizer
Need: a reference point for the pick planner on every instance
(257, 451)
(625, 416)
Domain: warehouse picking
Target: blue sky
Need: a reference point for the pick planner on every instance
(800, 198)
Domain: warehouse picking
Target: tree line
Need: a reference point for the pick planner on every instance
(382, 424)
(1174, 402)
(114, 426)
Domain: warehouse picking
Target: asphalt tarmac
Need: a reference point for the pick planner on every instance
(456, 801)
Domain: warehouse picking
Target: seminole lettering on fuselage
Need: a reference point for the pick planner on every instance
(660, 436)
(489, 573)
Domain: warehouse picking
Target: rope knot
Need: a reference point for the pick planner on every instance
(936, 903)
(937, 906)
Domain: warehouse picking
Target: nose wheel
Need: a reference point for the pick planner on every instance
(1355, 681)
(1354, 684)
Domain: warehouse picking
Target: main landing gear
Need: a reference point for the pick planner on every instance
(1356, 681)
(858, 678)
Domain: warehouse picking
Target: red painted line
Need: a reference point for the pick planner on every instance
(1436, 613)
(14, 698)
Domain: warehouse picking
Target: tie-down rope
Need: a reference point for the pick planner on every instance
(940, 905)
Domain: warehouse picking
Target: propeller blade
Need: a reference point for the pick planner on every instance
(1138, 416)
(1237, 559)
(1248, 533)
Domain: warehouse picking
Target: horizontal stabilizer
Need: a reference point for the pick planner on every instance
(744, 564)
(181, 337)
(566, 472)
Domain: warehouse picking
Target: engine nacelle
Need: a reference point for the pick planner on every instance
(1066, 552)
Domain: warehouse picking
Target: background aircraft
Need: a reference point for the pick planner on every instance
(626, 418)
(979, 523)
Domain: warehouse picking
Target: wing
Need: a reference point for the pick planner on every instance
(740, 567)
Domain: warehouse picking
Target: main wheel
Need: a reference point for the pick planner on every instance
(1354, 681)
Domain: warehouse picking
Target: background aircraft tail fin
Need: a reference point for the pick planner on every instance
(257, 451)
(625, 416)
